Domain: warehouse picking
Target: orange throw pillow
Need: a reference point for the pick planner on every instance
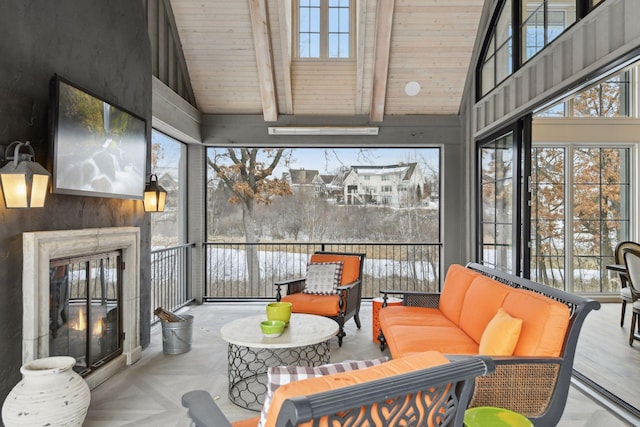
(501, 335)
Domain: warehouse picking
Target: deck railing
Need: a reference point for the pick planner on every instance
(169, 278)
(403, 266)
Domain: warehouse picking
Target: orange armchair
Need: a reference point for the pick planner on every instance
(340, 306)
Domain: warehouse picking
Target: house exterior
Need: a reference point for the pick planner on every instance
(301, 179)
(395, 185)
(328, 186)
(392, 185)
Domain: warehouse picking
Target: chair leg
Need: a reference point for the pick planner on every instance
(341, 334)
(634, 317)
(383, 341)
(624, 309)
(356, 317)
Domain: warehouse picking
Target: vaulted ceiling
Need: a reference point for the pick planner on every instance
(239, 58)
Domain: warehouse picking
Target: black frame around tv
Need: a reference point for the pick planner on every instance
(98, 148)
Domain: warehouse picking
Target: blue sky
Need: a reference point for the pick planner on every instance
(329, 160)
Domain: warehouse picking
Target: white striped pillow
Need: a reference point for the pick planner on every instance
(280, 375)
(323, 278)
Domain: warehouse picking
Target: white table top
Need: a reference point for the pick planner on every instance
(303, 330)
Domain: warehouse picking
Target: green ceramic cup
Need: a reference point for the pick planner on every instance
(279, 311)
(272, 328)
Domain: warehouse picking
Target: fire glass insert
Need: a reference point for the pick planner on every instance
(85, 320)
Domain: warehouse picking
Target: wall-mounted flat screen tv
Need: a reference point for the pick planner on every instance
(99, 149)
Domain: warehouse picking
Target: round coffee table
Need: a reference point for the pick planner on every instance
(304, 342)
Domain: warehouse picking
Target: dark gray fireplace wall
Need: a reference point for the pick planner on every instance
(103, 46)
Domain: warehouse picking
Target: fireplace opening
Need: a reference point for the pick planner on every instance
(85, 309)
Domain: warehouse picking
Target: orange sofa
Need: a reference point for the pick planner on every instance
(530, 330)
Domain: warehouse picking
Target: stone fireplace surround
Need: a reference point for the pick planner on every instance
(41, 247)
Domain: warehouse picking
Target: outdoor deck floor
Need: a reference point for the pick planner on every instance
(148, 393)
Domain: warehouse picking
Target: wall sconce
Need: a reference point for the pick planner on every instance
(24, 182)
(154, 195)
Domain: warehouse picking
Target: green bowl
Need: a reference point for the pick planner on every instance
(495, 417)
(272, 328)
(279, 311)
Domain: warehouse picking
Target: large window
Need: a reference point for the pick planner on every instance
(580, 211)
(168, 162)
(581, 191)
(324, 29)
(268, 208)
(497, 246)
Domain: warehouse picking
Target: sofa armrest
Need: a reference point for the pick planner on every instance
(203, 410)
(348, 286)
(525, 385)
(294, 286)
(413, 298)
(350, 295)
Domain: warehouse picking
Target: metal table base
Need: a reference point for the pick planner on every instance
(248, 368)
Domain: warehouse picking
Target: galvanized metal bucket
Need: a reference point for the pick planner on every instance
(177, 336)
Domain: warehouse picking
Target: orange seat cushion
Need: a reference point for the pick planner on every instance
(344, 379)
(407, 340)
(454, 289)
(350, 266)
(322, 305)
(411, 316)
(544, 323)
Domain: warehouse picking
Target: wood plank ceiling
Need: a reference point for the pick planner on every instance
(239, 56)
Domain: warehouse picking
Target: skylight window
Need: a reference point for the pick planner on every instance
(324, 29)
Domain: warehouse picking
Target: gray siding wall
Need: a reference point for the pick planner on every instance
(101, 45)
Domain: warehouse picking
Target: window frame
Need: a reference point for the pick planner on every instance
(520, 133)
(569, 219)
(324, 33)
(546, 10)
(181, 202)
(628, 80)
(516, 60)
(490, 48)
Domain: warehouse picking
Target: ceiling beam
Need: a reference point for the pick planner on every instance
(362, 38)
(284, 18)
(264, 59)
(384, 23)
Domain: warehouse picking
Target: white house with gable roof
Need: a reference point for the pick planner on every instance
(394, 185)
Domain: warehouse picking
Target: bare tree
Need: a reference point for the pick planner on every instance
(247, 174)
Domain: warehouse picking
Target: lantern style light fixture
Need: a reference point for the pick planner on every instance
(24, 182)
(154, 195)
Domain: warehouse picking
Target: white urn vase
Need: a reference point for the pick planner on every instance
(50, 394)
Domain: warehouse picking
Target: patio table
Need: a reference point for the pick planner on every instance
(304, 342)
